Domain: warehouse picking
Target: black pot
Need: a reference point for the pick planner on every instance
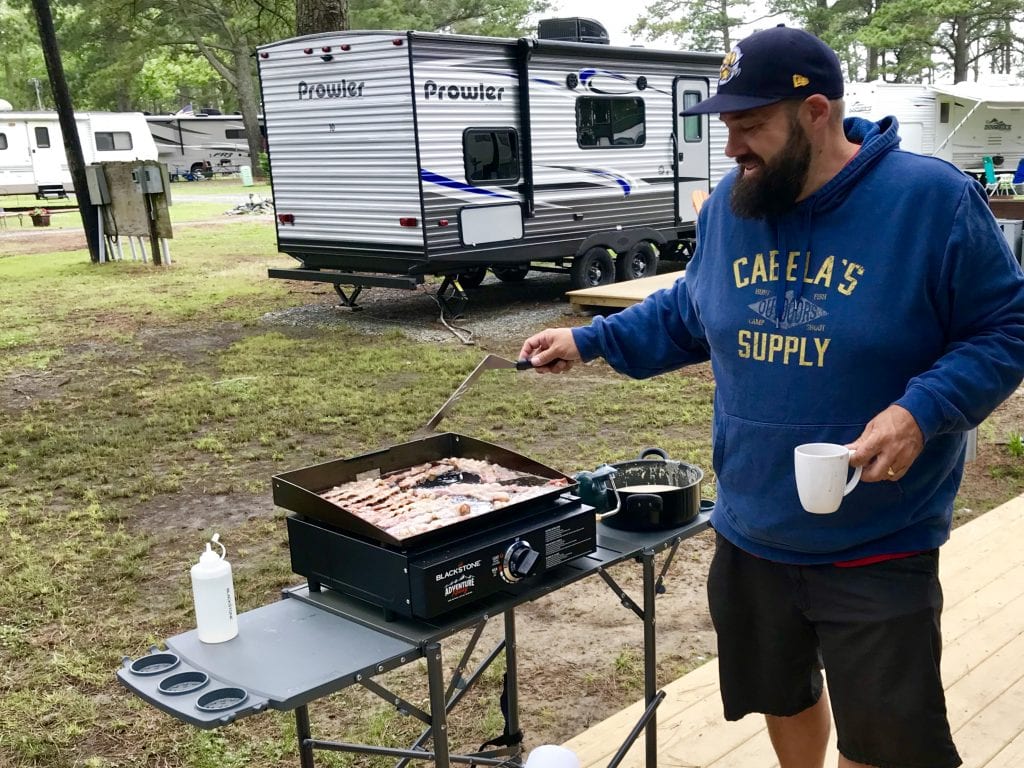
(653, 494)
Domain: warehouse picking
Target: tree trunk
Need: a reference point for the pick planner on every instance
(248, 105)
(313, 16)
(960, 46)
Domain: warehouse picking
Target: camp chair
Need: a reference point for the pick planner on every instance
(697, 198)
(1018, 176)
(995, 185)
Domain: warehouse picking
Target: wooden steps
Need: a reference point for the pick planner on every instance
(621, 294)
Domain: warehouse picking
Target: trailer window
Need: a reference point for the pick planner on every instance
(3, 141)
(605, 122)
(491, 154)
(42, 137)
(234, 133)
(692, 124)
(109, 141)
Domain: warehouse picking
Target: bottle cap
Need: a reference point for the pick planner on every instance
(209, 557)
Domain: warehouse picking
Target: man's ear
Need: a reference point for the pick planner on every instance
(817, 110)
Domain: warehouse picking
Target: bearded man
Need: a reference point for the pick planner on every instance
(845, 291)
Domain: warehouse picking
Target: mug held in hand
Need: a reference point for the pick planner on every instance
(821, 476)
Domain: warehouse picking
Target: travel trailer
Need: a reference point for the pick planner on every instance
(399, 155)
(32, 157)
(200, 145)
(961, 123)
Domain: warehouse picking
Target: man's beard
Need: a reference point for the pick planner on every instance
(773, 191)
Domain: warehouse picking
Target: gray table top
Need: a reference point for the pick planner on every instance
(292, 653)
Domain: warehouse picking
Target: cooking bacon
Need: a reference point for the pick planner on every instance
(418, 499)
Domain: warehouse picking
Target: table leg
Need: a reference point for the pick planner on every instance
(650, 657)
(438, 712)
(303, 734)
(512, 678)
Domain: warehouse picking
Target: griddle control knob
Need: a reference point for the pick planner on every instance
(519, 560)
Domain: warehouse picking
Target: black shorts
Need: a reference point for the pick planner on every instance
(874, 629)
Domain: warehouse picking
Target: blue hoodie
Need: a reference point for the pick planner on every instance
(890, 284)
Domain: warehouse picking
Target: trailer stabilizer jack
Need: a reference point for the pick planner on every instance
(346, 300)
(452, 297)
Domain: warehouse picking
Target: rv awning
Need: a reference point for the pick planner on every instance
(994, 96)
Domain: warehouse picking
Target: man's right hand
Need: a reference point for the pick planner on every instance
(551, 351)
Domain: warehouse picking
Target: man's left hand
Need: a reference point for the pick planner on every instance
(889, 444)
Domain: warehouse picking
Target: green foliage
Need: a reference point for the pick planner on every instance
(1016, 445)
(702, 25)
(474, 17)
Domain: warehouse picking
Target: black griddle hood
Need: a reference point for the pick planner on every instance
(298, 490)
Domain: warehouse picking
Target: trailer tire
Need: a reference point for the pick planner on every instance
(472, 278)
(639, 261)
(592, 268)
(511, 273)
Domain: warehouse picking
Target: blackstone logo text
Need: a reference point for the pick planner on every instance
(341, 89)
(452, 92)
(461, 568)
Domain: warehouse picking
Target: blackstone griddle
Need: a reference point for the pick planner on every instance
(443, 569)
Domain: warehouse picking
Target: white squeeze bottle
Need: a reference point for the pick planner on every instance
(213, 593)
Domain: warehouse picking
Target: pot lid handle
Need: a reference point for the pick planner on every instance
(653, 451)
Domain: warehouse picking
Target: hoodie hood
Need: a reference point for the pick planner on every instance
(795, 229)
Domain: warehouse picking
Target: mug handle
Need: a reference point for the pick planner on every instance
(853, 480)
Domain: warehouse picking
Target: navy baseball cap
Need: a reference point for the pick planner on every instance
(770, 66)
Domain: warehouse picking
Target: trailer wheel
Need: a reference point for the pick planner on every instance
(473, 277)
(512, 273)
(639, 261)
(593, 268)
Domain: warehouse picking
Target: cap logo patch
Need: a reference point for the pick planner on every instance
(799, 81)
(730, 65)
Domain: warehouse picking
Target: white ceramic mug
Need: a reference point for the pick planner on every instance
(821, 471)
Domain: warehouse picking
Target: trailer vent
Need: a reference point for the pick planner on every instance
(575, 29)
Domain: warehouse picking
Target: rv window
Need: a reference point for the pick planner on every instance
(42, 137)
(944, 112)
(692, 124)
(234, 133)
(491, 154)
(108, 141)
(3, 141)
(605, 122)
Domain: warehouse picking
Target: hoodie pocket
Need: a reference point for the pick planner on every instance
(757, 489)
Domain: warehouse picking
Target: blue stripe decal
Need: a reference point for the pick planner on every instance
(620, 180)
(436, 178)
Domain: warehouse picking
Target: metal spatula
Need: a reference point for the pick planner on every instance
(489, 362)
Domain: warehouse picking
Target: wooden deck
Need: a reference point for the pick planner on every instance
(621, 294)
(982, 571)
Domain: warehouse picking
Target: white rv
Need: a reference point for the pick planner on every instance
(961, 123)
(190, 145)
(396, 155)
(32, 158)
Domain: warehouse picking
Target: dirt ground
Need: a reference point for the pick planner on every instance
(580, 650)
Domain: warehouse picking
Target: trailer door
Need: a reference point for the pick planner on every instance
(47, 147)
(690, 142)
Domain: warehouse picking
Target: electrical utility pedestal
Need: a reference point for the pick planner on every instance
(132, 202)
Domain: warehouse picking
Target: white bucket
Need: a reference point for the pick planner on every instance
(246, 173)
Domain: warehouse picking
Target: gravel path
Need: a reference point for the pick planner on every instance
(496, 311)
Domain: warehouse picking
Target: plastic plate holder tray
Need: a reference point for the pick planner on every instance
(186, 693)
